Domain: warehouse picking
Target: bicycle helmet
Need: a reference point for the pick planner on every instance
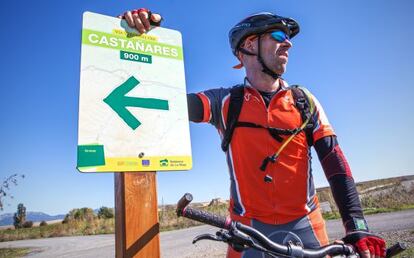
(257, 24)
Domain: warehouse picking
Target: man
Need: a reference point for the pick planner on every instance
(267, 144)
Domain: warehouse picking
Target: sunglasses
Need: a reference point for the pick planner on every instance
(279, 36)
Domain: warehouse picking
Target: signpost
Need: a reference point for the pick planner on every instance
(136, 218)
(132, 118)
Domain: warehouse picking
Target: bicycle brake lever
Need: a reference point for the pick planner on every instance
(236, 239)
(207, 237)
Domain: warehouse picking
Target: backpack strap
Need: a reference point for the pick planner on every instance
(306, 106)
(235, 106)
(304, 103)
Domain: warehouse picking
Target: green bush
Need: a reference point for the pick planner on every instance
(43, 223)
(28, 224)
(105, 213)
(72, 228)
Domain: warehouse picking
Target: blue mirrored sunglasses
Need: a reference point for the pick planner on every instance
(279, 36)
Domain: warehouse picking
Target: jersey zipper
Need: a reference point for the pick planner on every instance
(273, 174)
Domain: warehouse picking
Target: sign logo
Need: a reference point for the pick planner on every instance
(164, 163)
(145, 162)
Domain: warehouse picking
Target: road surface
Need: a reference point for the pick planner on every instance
(178, 243)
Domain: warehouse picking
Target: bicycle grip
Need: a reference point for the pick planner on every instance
(183, 202)
(396, 249)
(207, 218)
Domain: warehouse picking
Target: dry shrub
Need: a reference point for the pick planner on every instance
(390, 199)
(391, 196)
(170, 221)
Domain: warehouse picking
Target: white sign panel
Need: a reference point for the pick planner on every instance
(132, 106)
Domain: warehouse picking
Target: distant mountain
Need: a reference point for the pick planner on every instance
(7, 218)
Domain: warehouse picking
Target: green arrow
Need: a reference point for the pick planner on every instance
(118, 102)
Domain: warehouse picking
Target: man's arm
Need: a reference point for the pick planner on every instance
(206, 106)
(195, 108)
(343, 187)
(342, 184)
(344, 191)
(336, 169)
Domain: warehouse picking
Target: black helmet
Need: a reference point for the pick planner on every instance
(259, 23)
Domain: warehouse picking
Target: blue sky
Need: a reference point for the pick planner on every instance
(355, 56)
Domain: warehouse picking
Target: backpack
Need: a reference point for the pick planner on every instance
(303, 102)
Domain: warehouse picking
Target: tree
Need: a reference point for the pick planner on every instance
(20, 216)
(105, 213)
(5, 188)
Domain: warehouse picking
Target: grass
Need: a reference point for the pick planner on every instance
(384, 210)
(368, 211)
(13, 252)
(74, 228)
(331, 215)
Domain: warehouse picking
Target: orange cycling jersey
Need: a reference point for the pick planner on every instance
(291, 194)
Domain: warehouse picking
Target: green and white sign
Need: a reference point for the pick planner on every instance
(132, 105)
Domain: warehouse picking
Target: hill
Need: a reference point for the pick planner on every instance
(388, 193)
(7, 218)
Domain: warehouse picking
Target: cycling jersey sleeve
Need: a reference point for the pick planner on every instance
(340, 179)
(212, 101)
(322, 127)
(195, 108)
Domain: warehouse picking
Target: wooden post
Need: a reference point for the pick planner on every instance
(136, 215)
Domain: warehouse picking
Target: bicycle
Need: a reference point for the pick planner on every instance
(242, 237)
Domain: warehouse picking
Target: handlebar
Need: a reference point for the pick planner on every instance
(199, 215)
(264, 242)
(293, 250)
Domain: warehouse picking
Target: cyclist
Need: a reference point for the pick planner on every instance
(275, 193)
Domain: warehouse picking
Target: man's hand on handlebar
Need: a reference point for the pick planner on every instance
(367, 244)
(141, 19)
